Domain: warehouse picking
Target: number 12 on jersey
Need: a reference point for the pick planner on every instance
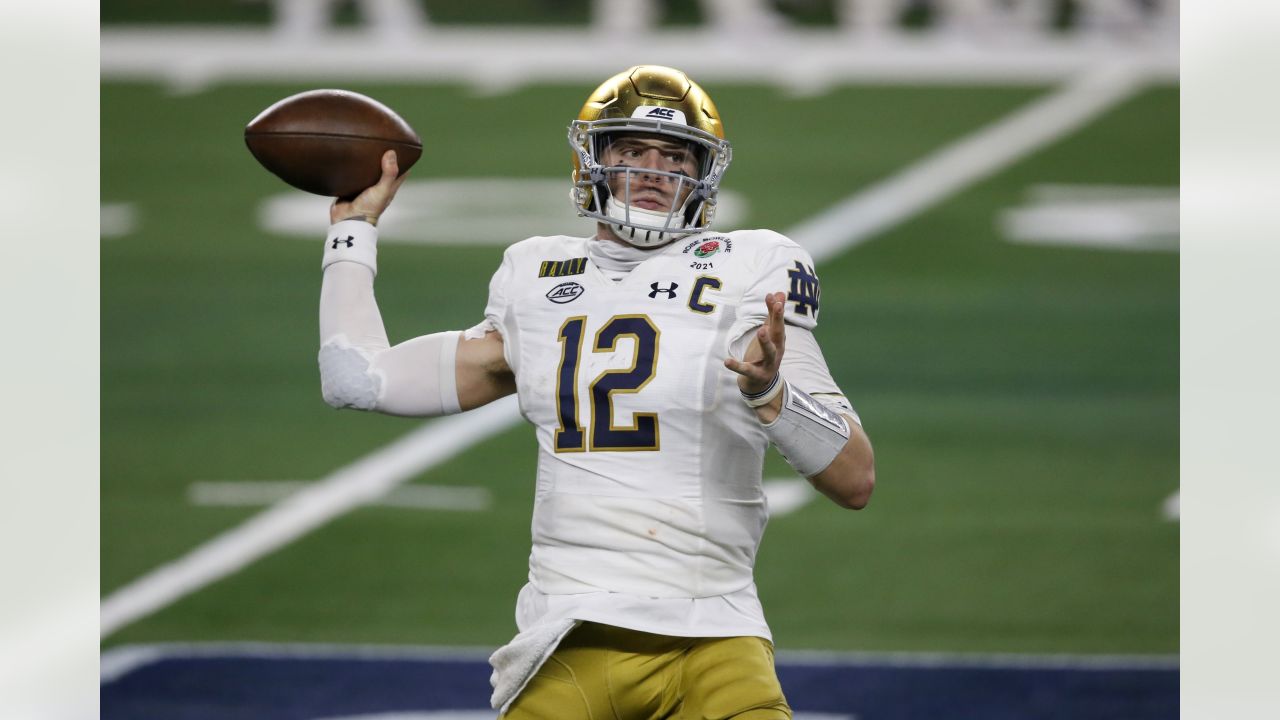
(642, 433)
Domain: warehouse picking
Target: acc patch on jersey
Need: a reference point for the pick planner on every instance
(565, 292)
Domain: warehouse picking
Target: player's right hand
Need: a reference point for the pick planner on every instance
(762, 361)
(374, 200)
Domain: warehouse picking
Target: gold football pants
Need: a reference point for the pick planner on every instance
(600, 672)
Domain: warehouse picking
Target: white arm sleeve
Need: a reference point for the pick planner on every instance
(804, 367)
(358, 368)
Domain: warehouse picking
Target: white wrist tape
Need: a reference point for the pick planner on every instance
(351, 241)
(766, 396)
(808, 434)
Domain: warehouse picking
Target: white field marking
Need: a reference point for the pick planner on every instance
(419, 715)
(1059, 192)
(1011, 661)
(241, 493)
(1105, 217)
(118, 662)
(965, 162)
(494, 60)
(348, 487)
(831, 232)
(117, 219)
(461, 211)
(786, 495)
(491, 715)
(1171, 508)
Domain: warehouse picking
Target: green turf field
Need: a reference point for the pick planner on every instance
(1022, 400)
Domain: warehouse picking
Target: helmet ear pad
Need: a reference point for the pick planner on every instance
(695, 204)
(603, 193)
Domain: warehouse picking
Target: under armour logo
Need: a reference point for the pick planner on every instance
(804, 290)
(349, 241)
(671, 291)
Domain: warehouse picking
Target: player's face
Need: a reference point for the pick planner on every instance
(653, 192)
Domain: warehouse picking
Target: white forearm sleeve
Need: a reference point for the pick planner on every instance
(812, 426)
(808, 433)
(358, 368)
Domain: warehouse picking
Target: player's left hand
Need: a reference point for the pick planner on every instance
(759, 365)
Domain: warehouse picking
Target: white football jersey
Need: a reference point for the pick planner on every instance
(649, 462)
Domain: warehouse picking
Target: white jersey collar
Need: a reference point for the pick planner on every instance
(617, 258)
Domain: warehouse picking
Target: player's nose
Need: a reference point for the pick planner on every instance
(651, 159)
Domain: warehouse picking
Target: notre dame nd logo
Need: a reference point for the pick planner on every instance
(804, 290)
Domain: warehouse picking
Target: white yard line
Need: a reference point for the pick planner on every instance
(118, 662)
(1009, 661)
(493, 60)
(1101, 217)
(973, 158)
(250, 493)
(366, 479)
(117, 219)
(849, 223)
(787, 495)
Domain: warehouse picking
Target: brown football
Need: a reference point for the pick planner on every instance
(330, 142)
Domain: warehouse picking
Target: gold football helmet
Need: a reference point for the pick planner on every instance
(654, 102)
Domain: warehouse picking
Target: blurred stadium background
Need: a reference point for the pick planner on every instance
(990, 188)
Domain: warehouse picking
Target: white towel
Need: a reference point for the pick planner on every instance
(515, 663)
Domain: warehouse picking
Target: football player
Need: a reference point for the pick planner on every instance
(656, 360)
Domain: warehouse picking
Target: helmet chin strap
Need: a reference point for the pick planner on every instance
(641, 238)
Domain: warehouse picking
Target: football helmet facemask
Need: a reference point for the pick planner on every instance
(655, 102)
